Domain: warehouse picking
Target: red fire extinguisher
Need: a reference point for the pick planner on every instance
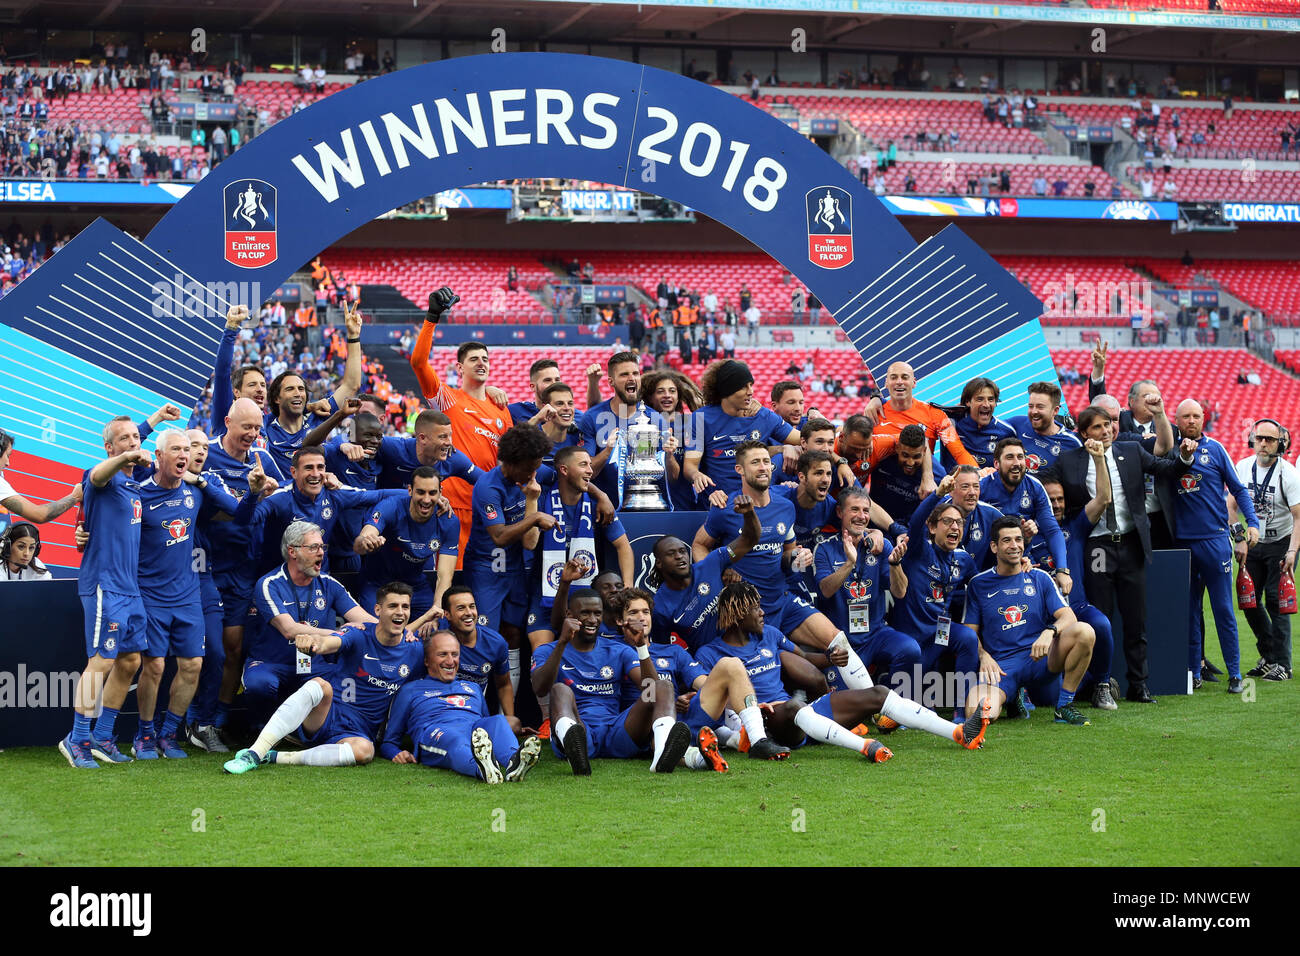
(1245, 589)
(1286, 594)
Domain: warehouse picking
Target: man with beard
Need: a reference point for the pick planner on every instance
(1043, 437)
(294, 600)
(571, 538)
(1201, 526)
(817, 434)
(247, 381)
(899, 481)
(448, 723)
(288, 420)
(979, 429)
(604, 427)
(815, 513)
(484, 653)
(342, 711)
(1016, 493)
(402, 539)
(851, 586)
(1029, 638)
(542, 374)
(730, 417)
(686, 596)
(775, 554)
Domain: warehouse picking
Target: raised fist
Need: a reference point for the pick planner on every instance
(440, 302)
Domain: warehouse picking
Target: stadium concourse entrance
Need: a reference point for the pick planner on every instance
(945, 306)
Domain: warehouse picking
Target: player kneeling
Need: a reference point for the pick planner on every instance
(341, 712)
(449, 726)
(767, 655)
(702, 696)
(1027, 636)
(582, 672)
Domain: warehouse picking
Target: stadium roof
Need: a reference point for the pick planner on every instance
(925, 23)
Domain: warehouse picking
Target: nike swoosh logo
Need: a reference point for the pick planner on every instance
(994, 594)
(370, 658)
(566, 667)
(158, 505)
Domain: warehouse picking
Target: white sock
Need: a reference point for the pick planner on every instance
(854, 673)
(728, 737)
(288, 717)
(751, 718)
(561, 728)
(694, 759)
(514, 669)
(826, 730)
(911, 714)
(660, 729)
(326, 755)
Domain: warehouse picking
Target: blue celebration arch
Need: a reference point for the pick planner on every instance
(113, 324)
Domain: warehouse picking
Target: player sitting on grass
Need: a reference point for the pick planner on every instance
(341, 712)
(582, 672)
(768, 657)
(702, 697)
(447, 720)
(1028, 636)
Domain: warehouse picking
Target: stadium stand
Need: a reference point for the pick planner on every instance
(1261, 185)
(1271, 286)
(882, 118)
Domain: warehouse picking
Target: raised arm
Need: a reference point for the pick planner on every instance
(351, 383)
(223, 392)
(1096, 506)
(432, 387)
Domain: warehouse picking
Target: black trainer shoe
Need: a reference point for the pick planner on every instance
(574, 746)
(768, 749)
(1139, 694)
(1260, 667)
(1017, 708)
(1234, 685)
(679, 738)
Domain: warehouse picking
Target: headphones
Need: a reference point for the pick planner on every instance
(1284, 436)
(8, 538)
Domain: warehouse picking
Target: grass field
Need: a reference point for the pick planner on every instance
(1208, 780)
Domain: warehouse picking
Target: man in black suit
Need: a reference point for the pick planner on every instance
(1143, 421)
(1120, 546)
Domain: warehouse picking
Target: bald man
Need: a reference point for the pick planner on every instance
(231, 458)
(1201, 526)
(902, 410)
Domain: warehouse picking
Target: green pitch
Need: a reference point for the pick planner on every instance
(1208, 780)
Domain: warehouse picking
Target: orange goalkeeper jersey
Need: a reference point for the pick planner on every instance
(938, 427)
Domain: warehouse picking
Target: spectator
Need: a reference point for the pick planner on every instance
(1039, 185)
